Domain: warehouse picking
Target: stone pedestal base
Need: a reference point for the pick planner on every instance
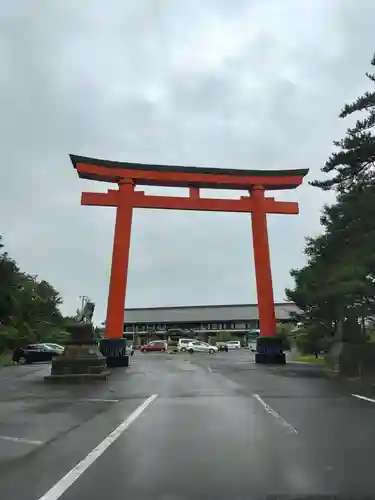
(76, 378)
(81, 360)
(269, 351)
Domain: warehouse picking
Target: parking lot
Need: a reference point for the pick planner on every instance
(183, 426)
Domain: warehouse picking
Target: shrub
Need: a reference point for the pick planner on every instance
(224, 336)
(12, 337)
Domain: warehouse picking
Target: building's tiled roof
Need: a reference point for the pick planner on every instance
(197, 314)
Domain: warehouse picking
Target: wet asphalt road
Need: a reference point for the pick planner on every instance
(220, 427)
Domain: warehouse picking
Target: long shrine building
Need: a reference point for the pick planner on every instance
(207, 320)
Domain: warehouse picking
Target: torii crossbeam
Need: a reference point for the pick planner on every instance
(129, 175)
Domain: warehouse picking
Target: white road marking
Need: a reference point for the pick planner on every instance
(363, 397)
(71, 477)
(21, 440)
(85, 400)
(97, 400)
(276, 415)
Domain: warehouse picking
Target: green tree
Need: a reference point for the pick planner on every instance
(9, 282)
(29, 308)
(224, 336)
(353, 165)
(338, 281)
(335, 290)
(285, 332)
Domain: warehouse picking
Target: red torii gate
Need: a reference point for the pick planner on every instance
(128, 175)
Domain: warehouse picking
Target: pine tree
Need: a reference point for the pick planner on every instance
(354, 164)
(338, 281)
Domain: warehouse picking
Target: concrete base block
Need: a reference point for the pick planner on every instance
(115, 352)
(118, 361)
(269, 351)
(270, 359)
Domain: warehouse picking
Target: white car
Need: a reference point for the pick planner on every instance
(199, 346)
(234, 344)
(183, 343)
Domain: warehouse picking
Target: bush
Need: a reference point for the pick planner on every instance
(224, 336)
(311, 338)
(285, 332)
(12, 337)
(6, 359)
(304, 343)
(55, 336)
(9, 338)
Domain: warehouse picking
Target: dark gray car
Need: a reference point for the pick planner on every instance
(33, 353)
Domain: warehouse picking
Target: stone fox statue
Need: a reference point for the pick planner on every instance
(87, 313)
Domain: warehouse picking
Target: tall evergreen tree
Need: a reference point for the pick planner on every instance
(354, 164)
(336, 289)
(339, 278)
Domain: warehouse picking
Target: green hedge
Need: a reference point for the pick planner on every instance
(11, 337)
(6, 359)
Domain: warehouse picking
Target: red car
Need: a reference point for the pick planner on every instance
(155, 345)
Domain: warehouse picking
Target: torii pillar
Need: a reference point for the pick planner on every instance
(120, 260)
(262, 260)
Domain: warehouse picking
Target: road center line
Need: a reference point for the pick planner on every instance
(21, 440)
(276, 415)
(363, 397)
(71, 477)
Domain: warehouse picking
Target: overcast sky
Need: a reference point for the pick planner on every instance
(240, 84)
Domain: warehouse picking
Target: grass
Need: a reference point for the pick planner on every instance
(309, 358)
(6, 359)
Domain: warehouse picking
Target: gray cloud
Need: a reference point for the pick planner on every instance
(249, 85)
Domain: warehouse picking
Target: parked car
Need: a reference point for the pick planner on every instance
(222, 346)
(58, 347)
(155, 345)
(34, 353)
(183, 343)
(233, 344)
(199, 346)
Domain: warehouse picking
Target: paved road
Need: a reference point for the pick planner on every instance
(185, 427)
